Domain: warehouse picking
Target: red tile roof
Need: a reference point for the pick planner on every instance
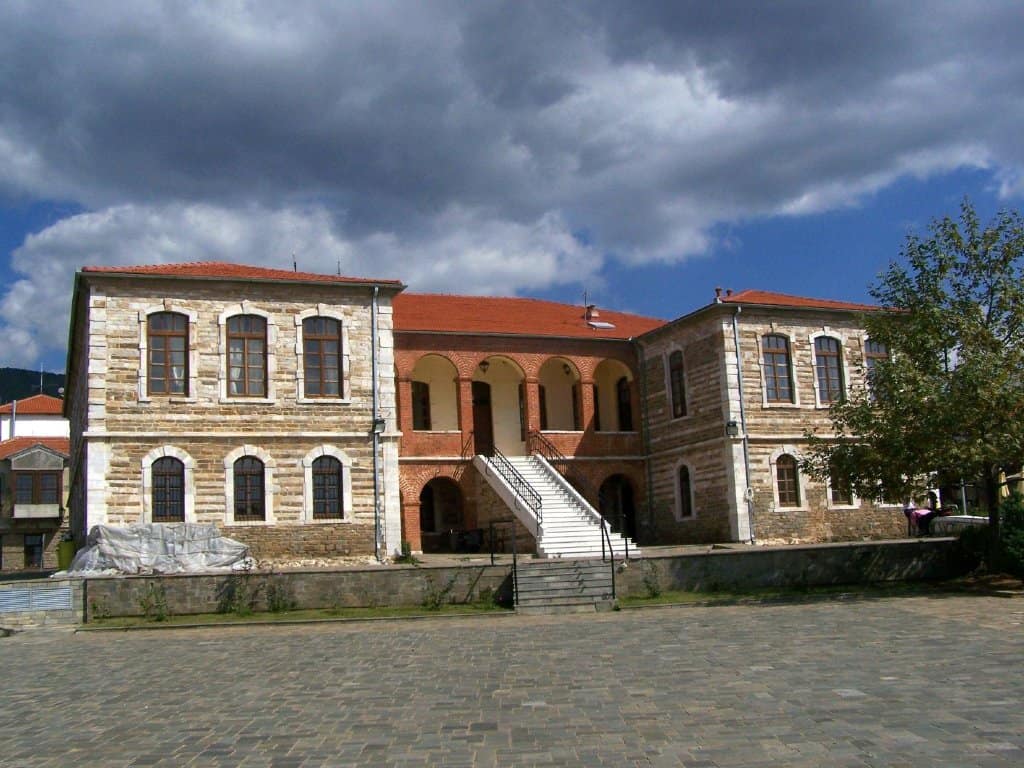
(37, 405)
(214, 270)
(16, 445)
(440, 313)
(768, 298)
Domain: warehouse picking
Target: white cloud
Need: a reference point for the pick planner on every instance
(465, 145)
(465, 251)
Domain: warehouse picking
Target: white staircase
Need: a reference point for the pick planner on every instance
(569, 527)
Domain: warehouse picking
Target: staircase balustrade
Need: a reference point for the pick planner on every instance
(519, 486)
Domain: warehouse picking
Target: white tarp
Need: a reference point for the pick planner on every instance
(157, 548)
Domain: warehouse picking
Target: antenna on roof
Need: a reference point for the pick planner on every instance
(295, 263)
(339, 267)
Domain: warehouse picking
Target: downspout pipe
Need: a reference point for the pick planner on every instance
(646, 435)
(748, 492)
(375, 430)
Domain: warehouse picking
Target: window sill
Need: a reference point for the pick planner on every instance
(783, 406)
(564, 432)
(438, 431)
(169, 399)
(843, 507)
(326, 520)
(689, 519)
(240, 400)
(248, 523)
(324, 400)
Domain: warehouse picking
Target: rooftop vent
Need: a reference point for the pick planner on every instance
(592, 316)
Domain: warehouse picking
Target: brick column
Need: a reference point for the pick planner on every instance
(405, 405)
(465, 395)
(411, 524)
(587, 404)
(532, 405)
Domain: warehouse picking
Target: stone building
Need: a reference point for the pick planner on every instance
(260, 400)
(33, 482)
(312, 415)
(732, 389)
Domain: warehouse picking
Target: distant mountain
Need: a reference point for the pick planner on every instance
(17, 383)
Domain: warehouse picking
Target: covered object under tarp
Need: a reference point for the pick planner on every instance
(157, 548)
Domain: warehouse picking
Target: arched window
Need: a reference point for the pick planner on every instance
(250, 499)
(168, 490)
(787, 481)
(829, 369)
(247, 356)
(328, 488)
(685, 491)
(677, 384)
(167, 355)
(777, 380)
(625, 402)
(321, 346)
(874, 352)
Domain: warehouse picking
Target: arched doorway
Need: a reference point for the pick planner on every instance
(617, 503)
(435, 397)
(499, 407)
(441, 519)
(614, 398)
(558, 389)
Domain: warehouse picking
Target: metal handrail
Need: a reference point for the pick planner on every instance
(515, 563)
(537, 443)
(466, 445)
(606, 535)
(519, 486)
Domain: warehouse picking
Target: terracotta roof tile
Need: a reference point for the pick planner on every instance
(16, 445)
(440, 313)
(228, 271)
(37, 405)
(769, 298)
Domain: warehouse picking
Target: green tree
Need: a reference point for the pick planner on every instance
(949, 400)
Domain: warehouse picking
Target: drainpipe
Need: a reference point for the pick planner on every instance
(748, 493)
(375, 430)
(646, 434)
(14, 416)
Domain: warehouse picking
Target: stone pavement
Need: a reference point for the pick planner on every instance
(904, 681)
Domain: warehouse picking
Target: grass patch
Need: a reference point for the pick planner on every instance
(326, 614)
(725, 596)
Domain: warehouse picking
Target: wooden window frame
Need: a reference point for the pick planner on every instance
(249, 474)
(677, 383)
(314, 374)
(787, 481)
(36, 490)
(828, 369)
(326, 470)
(161, 482)
(421, 420)
(159, 340)
(777, 360)
(245, 336)
(624, 404)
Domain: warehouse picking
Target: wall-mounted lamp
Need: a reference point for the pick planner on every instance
(378, 426)
(484, 366)
(732, 429)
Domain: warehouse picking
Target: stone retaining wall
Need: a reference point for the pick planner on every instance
(791, 566)
(349, 588)
(812, 565)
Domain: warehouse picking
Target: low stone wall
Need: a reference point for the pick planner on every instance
(400, 585)
(395, 585)
(799, 566)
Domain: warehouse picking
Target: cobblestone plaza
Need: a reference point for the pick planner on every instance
(911, 681)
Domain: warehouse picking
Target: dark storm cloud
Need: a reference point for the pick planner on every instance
(431, 139)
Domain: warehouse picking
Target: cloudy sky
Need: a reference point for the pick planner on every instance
(643, 152)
